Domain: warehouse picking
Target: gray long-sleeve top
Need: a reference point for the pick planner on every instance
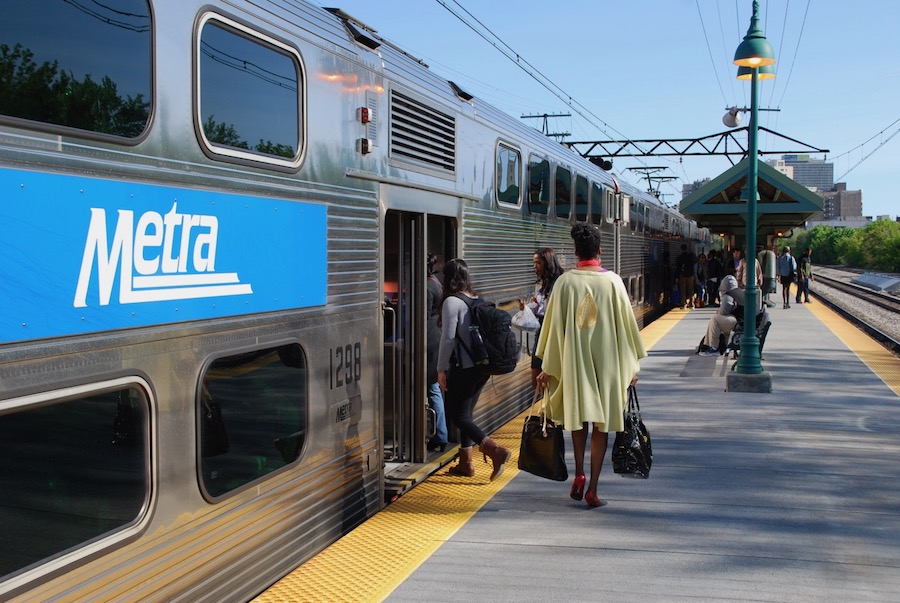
(455, 323)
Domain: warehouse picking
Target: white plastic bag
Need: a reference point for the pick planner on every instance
(526, 320)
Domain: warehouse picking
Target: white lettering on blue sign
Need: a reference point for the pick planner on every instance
(163, 258)
(83, 255)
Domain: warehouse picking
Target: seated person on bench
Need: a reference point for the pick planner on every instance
(730, 311)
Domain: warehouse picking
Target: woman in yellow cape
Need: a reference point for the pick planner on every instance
(590, 346)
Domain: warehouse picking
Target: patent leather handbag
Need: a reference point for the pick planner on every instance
(632, 453)
(543, 448)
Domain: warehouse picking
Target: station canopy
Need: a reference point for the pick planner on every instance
(721, 205)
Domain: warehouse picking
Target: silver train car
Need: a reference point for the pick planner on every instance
(216, 218)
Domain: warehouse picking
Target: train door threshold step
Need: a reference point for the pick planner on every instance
(399, 478)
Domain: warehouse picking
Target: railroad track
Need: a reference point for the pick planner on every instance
(882, 300)
(856, 314)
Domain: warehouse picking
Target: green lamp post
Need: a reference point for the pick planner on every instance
(754, 58)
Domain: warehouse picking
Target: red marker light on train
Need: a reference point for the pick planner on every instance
(364, 115)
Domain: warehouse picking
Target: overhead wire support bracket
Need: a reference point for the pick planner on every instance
(723, 143)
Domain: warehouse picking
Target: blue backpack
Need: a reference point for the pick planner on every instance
(495, 348)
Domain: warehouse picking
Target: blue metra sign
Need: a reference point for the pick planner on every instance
(80, 255)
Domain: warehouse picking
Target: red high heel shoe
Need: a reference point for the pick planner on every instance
(577, 491)
(592, 500)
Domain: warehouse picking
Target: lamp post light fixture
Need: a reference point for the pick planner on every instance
(753, 55)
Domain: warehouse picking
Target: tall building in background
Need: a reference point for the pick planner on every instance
(818, 176)
(815, 174)
(687, 189)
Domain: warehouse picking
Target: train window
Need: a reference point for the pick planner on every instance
(643, 217)
(75, 467)
(581, 199)
(509, 174)
(251, 416)
(65, 65)
(563, 192)
(248, 96)
(610, 207)
(596, 203)
(538, 185)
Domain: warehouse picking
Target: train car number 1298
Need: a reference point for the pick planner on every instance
(345, 365)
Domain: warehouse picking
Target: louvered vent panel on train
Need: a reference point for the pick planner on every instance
(422, 134)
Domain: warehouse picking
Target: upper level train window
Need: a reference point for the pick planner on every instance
(563, 192)
(251, 416)
(538, 185)
(75, 467)
(508, 174)
(248, 97)
(596, 203)
(76, 65)
(581, 199)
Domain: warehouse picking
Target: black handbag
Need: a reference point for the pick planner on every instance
(632, 453)
(543, 448)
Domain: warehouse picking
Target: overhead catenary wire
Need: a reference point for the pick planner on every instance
(506, 50)
(870, 153)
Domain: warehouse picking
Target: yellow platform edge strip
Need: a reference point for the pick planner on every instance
(400, 538)
(407, 532)
(428, 516)
(879, 359)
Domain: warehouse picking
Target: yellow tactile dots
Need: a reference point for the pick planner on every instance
(371, 561)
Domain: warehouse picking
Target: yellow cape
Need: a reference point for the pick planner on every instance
(590, 345)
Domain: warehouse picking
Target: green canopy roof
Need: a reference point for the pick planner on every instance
(783, 204)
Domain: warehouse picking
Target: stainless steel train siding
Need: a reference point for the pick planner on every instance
(184, 535)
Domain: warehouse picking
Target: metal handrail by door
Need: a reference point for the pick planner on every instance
(385, 308)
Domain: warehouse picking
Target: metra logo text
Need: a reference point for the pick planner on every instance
(164, 258)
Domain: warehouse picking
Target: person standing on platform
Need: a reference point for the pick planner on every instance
(714, 266)
(731, 262)
(547, 269)
(804, 275)
(591, 347)
(684, 270)
(433, 295)
(457, 374)
(741, 274)
(701, 275)
(787, 270)
(767, 260)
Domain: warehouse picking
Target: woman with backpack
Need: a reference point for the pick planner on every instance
(591, 346)
(457, 374)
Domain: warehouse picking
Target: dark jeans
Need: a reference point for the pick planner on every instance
(803, 287)
(463, 388)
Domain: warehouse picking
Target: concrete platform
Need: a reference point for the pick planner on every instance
(792, 495)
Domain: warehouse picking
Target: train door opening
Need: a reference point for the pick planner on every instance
(408, 422)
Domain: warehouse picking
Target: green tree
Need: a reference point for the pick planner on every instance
(881, 245)
(849, 248)
(223, 134)
(48, 94)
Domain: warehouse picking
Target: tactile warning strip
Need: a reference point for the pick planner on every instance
(371, 561)
(398, 539)
(882, 362)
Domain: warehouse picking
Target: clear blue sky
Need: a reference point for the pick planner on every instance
(654, 69)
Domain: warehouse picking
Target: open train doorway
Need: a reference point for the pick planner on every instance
(409, 238)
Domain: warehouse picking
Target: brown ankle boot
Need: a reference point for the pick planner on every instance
(464, 468)
(498, 455)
